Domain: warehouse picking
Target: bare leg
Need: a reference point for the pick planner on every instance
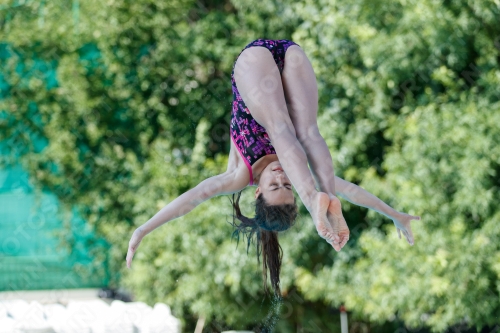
(259, 82)
(301, 92)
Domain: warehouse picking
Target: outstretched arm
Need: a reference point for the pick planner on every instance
(321, 165)
(358, 196)
(225, 183)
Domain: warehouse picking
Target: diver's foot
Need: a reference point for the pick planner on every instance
(320, 206)
(338, 223)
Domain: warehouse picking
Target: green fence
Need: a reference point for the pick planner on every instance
(31, 251)
(32, 255)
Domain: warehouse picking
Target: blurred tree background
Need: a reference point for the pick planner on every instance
(132, 101)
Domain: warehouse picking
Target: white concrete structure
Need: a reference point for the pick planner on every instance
(160, 320)
(86, 316)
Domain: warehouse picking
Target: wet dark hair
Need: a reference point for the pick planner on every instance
(268, 221)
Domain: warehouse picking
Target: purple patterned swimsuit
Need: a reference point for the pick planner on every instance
(251, 138)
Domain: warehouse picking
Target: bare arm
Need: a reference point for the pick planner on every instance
(321, 165)
(225, 183)
(359, 196)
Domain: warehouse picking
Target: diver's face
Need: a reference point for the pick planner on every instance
(275, 185)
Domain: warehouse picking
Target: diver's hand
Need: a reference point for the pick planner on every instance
(402, 222)
(134, 244)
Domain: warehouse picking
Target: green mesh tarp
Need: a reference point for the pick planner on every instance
(32, 255)
(31, 251)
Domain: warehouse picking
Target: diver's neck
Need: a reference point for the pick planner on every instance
(259, 166)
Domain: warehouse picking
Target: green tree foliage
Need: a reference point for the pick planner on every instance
(132, 100)
(411, 111)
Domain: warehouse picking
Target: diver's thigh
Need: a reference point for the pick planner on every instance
(258, 81)
(301, 92)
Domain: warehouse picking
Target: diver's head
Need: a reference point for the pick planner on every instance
(275, 186)
(275, 210)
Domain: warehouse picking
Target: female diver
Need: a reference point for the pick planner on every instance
(274, 135)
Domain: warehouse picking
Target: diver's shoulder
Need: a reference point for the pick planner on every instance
(240, 176)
